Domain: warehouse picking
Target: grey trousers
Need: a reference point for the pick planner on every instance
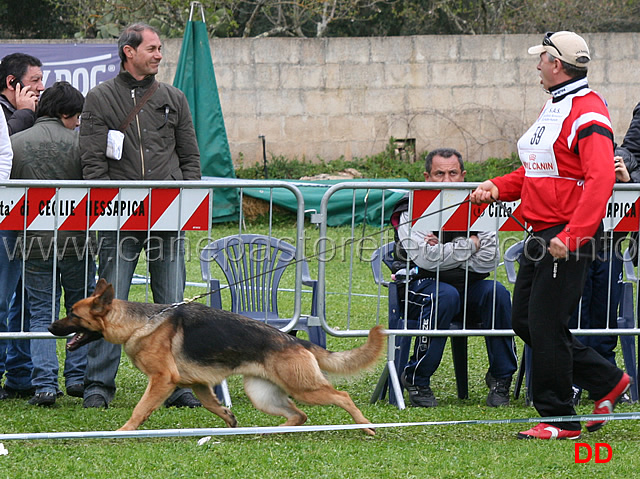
(118, 257)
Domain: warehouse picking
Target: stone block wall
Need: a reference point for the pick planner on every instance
(346, 97)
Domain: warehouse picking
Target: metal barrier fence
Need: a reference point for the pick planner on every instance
(164, 206)
(58, 205)
(443, 207)
(349, 303)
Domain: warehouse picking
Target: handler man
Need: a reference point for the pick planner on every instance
(565, 181)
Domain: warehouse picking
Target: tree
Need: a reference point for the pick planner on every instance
(34, 19)
(320, 18)
(428, 17)
(302, 18)
(534, 16)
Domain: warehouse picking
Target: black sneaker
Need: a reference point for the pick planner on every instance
(419, 396)
(75, 390)
(3, 394)
(43, 399)
(498, 390)
(94, 401)
(185, 400)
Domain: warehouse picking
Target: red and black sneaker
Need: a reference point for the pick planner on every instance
(608, 403)
(548, 431)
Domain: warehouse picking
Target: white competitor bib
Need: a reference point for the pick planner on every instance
(535, 147)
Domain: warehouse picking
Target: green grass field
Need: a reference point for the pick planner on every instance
(449, 451)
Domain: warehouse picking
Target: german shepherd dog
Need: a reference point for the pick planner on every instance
(196, 346)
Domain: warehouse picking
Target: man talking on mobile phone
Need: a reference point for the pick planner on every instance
(20, 88)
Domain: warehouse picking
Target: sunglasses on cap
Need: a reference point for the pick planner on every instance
(546, 41)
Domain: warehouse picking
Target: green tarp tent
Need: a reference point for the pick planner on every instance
(196, 78)
(340, 209)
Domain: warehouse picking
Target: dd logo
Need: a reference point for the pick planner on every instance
(589, 454)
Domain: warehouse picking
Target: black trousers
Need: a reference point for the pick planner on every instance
(545, 295)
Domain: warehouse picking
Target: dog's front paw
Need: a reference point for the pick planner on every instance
(230, 419)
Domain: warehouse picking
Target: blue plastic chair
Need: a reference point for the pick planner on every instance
(402, 347)
(253, 266)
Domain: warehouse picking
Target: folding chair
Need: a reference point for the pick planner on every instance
(400, 346)
(253, 266)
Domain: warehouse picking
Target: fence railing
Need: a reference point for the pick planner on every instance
(349, 302)
(443, 207)
(187, 206)
(90, 206)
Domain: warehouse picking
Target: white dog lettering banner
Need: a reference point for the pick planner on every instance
(450, 208)
(104, 209)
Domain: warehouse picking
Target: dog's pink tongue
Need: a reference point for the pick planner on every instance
(75, 339)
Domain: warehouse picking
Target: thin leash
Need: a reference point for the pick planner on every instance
(295, 261)
(531, 236)
(510, 215)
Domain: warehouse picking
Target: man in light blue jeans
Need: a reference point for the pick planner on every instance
(72, 274)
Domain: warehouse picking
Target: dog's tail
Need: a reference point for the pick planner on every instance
(347, 362)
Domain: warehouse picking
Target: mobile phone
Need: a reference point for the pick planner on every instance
(15, 81)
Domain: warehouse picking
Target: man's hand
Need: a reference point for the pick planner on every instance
(558, 249)
(25, 98)
(486, 192)
(622, 174)
(431, 239)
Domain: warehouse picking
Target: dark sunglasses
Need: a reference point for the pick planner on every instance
(547, 42)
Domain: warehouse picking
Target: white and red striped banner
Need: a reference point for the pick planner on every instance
(105, 209)
(449, 208)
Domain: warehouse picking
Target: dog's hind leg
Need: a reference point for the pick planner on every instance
(159, 388)
(271, 399)
(326, 394)
(304, 381)
(210, 402)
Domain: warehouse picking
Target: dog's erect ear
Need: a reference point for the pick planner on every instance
(103, 296)
(101, 286)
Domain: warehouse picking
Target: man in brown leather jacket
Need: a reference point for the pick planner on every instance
(159, 144)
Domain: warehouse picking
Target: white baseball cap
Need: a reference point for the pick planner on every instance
(567, 46)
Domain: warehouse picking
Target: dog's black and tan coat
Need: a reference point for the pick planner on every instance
(197, 346)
